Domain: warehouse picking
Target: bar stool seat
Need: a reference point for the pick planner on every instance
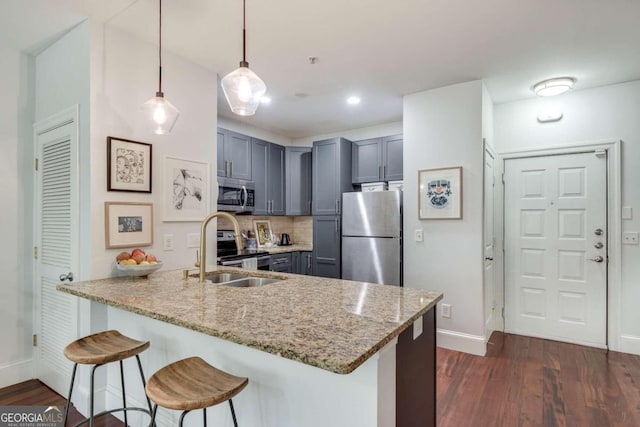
(192, 383)
(97, 350)
(104, 347)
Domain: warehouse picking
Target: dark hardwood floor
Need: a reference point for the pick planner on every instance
(34, 392)
(521, 382)
(533, 382)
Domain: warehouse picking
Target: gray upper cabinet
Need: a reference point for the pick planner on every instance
(377, 159)
(276, 171)
(331, 175)
(268, 170)
(234, 155)
(367, 160)
(392, 155)
(298, 181)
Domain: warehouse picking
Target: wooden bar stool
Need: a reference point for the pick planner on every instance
(100, 349)
(190, 384)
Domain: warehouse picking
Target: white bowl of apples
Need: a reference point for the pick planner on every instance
(137, 263)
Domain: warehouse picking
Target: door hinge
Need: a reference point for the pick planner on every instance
(502, 312)
(37, 164)
(35, 340)
(503, 178)
(35, 252)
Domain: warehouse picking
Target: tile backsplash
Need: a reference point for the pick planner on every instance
(299, 228)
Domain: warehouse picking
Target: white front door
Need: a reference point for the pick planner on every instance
(57, 239)
(490, 302)
(556, 247)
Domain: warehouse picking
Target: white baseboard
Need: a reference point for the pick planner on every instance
(16, 372)
(630, 344)
(466, 343)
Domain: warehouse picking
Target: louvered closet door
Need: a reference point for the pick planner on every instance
(57, 224)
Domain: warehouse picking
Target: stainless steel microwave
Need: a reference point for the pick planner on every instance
(236, 195)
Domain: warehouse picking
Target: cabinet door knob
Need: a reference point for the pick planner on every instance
(489, 258)
(597, 259)
(68, 276)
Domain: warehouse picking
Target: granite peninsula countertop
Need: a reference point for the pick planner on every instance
(331, 324)
(301, 247)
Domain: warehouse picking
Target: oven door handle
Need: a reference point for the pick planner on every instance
(231, 263)
(245, 198)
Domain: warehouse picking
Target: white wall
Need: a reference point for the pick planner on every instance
(394, 128)
(124, 72)
(16, 113)
(606, 113)
(442, 128)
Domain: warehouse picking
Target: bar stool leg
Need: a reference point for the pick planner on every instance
(144, 382)
(182, 417)
(91, 415)
(233, 413)
(204, 414)
(124, 395)
(73, 378)
(153, 416)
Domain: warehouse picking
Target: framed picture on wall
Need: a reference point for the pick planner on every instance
(128, 165)
(440, 193)
(128, 224)
(186, 190)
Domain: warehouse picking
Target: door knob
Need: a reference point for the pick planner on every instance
(598, 232)
(597, 259)
(599, 245)
(68, 277)
(489, 258)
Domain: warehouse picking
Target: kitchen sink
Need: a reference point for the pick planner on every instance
(237, 280)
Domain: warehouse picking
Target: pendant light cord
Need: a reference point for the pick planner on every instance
(160, 49)
(244, 32)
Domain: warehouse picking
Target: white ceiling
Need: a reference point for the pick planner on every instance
(378, 49)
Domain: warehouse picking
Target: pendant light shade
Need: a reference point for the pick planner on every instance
(160, 114)
(242, 87)
(158, 111)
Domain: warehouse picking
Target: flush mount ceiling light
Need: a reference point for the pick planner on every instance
(353, 100)
(160, 113)
(243, 88)
(554, 86)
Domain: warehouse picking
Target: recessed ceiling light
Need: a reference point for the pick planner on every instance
(554, 86)
(353, 100)
(265, 100)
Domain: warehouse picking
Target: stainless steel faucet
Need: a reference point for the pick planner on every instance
(203, 238)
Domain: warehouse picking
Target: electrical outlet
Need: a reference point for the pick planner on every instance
(445, 311)
(168, 242)
(418, 235)
(630, 238)
(193, 240)
(417, 328)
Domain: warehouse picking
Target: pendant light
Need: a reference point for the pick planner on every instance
(243, 88)
(160, 113)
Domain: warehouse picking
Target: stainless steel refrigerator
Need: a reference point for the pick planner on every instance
(372, 237)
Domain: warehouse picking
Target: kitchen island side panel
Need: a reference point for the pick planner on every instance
(415, 375)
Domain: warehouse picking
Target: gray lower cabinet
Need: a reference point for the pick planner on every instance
(234, 155)
(306, 263)
(281, 263)
(298, 180)
(268, 170)
(331, 173)
(326, 246)
(377, 159)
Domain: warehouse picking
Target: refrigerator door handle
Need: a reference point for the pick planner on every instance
(336, 221)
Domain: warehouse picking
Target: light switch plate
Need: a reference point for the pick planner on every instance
(193, 240)
(446, 311)
(418, 235)
(630, 238)
(627, 212)
(167, 242)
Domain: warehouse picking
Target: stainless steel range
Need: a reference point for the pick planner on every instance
(230, 256)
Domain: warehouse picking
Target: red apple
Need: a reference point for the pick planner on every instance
(151, 257)
(122, 256)
(137, 250)
(137, 257)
